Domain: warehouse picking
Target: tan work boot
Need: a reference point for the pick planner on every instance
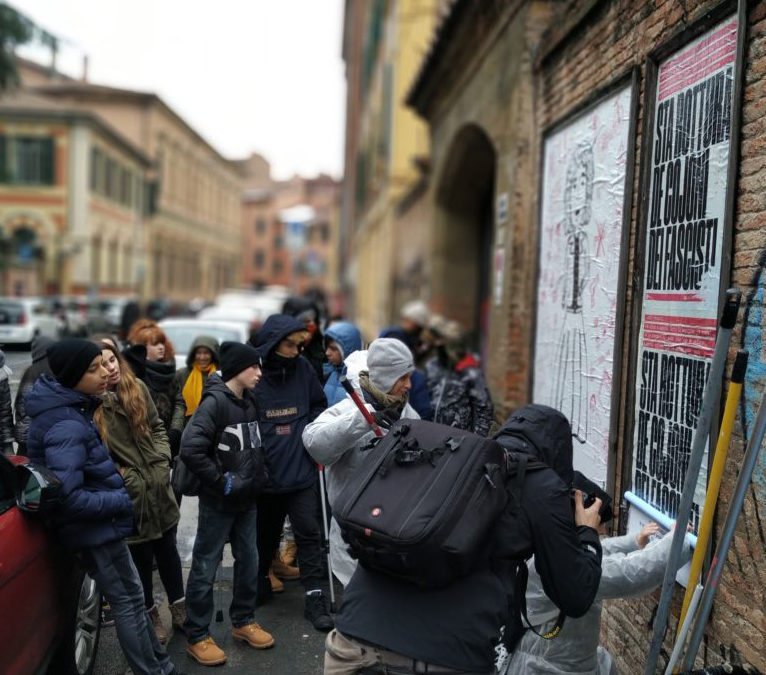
(206, 652)
(276, 585)
(284, 571)
(159, 629)
(254, 635)
(289, 553)
(178, 614)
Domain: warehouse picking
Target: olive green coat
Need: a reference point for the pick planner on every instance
(145, 467)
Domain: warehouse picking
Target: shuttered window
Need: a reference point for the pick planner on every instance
(27, 160)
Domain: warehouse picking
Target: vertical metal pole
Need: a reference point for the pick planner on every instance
(684, 628)
(701, 433)
(326, 530)
(727, 535)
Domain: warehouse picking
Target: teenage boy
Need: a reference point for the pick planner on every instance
(96, 513)
(221, 445)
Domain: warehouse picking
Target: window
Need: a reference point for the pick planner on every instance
(260, 225)
(279, 241)
(259, 259)
(26, 160)
(277, 268)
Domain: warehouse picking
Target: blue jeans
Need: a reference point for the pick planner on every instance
(112, 568)
(213, 529)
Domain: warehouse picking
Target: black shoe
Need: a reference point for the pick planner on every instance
(316, 612)
(106, 614)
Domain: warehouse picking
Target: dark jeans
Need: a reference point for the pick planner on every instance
(168, 565)
(113, 570)
(213, 528)
(303, 508)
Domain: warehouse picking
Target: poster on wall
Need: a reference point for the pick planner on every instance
(688, 180)
(580, 289)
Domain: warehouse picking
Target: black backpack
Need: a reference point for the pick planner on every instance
(421, 505)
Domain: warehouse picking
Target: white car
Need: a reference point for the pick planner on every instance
(183, 332)
(23, 319)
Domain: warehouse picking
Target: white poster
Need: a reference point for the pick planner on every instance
(584, 174)
(682, 266)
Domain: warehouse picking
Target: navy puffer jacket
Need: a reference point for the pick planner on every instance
(289, 397)
(96, 508)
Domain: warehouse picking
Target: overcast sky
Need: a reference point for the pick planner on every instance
(249, 75)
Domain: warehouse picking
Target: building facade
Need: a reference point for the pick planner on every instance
(193, 242)
(73, 201)
(591, 189)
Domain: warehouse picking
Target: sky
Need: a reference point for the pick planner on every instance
(260, 76)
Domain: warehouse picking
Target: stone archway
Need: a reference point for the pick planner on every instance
(464, 233)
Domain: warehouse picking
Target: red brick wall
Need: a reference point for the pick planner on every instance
(612, 38)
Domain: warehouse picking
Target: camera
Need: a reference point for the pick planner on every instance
(587, 499)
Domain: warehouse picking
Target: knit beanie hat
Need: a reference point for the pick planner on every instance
(69, 359)
(388, 359)
(236, 357)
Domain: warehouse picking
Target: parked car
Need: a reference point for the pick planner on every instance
(22, 319)
(50, 609)
(182, 332)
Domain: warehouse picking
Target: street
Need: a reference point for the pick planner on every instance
(298, 647)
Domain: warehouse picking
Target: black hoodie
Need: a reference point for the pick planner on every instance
(458, 626)
(289, 397)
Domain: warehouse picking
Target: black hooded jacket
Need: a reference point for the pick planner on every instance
(459, 626)
(314, 351)
(222, 437)
(289, 397)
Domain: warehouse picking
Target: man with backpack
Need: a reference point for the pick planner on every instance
(339, 436)
(221, 445)
(458, 628)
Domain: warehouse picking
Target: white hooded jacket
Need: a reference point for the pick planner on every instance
(336, 439)
(625, 571)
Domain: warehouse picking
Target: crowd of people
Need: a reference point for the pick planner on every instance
(254, 425)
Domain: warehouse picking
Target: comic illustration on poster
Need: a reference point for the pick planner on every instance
(688, 183)
(583, 189)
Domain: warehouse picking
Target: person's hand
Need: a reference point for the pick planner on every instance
(385, 418)
(648, 530)
(590, 516)
(229, 480)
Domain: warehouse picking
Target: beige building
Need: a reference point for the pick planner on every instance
(73, 201)
(383, 45)
(194, 240)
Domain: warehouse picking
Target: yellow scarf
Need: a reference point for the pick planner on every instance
(192, 391)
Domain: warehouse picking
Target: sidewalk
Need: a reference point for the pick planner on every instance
(299, 649)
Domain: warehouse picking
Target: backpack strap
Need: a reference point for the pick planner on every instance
(520, 591)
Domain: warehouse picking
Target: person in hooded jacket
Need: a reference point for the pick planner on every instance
(290, 397)
(6, 410)
(96, 512)
(136, 440)
(222, 446)
(159, 368)
(631, 566)
(201, 363)
(338, 437)
(39, 366)
(342, 339)
(458, 391)
(420, 398)
(307, 312)
(391, 623)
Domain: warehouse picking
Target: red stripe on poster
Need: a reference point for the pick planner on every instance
(679, 349)
(688, 320)
(680, 329)
(672, 338)
(674, 297)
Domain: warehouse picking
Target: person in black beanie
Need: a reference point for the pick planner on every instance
(96, 513)
(221, 445)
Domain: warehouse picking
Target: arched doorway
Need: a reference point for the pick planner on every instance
(464, 233)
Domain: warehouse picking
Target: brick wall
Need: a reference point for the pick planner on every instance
(609, 40)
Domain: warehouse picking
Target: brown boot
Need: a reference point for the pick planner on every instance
(159, 629)
(254, 635)
(284, 571)
(206, 652)
(178, 614)
(276, 585)
(289, 553)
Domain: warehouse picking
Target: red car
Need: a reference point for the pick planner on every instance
(50, 610)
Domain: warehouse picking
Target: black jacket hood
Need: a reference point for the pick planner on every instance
(546, 435)
(275, 329)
